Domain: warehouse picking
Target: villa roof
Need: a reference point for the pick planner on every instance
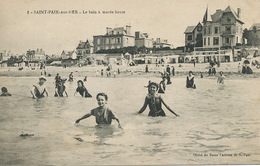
(257, 25)
(219, 13)
(83, 45)
(190, 29)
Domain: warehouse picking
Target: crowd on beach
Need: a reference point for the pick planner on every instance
(153, 98)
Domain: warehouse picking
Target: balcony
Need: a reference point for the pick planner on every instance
(228, 33)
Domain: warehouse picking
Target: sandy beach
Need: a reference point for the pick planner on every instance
(230, 70)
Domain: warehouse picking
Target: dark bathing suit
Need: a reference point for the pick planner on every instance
(61, 88)
(82, 90)
(37, 92)
(155, 105)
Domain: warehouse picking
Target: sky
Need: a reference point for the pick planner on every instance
(165, 19)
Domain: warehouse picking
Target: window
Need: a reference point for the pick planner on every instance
(189, 37)
(254, 29)
(107, 40)
(112, 40)
(126, 40)
(118, 40)
(205, 31)
(215, 41)
(228, 28)
(205, 42)
(216, 30)
(112, 32)
(228, 19)
(209, 30)
(98, 41)
(237, 39)
(208, 40)
(227, 40)
(98, 48)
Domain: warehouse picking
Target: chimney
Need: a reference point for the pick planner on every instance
(108, 29)
(146, 35)
(158, 40)
(137, 35)
(238, 12)
(128, 29)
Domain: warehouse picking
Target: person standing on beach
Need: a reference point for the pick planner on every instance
(155, 101)
(39, 89)
(97, 73)
(102, 72)
(168, 70)
(108, 71)
(210, 70)
(173, 71)
(146, 69)
(239, 68)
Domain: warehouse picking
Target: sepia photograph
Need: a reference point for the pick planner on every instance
(129, 82)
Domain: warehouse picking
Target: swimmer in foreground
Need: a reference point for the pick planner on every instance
(155, 102)
(102, 113)
(39, 89)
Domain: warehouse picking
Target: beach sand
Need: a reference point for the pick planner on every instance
(230, 70)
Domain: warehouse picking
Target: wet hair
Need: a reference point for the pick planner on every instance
(4, 89)
(154, 84)
(102, 94)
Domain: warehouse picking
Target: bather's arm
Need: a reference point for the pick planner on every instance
(144, 106)
(168, 107)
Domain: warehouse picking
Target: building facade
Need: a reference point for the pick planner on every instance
(35, 55)
(5, 55)
(161, 43)
(253, 35)
(223, 30)
(193, 37)
(142, 40)
(114, 39)
(68, 55)
(84, 49)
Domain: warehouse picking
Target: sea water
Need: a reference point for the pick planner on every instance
(218, 124)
